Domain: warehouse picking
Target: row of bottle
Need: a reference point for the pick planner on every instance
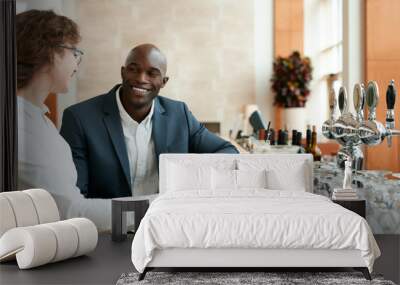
(282, 138)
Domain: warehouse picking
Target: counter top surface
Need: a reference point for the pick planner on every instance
(382, 195)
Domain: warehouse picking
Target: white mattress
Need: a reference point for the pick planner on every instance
(251, 219)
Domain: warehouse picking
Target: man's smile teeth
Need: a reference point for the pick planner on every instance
(140, 90)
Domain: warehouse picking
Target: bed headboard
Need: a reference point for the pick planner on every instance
(238, 161)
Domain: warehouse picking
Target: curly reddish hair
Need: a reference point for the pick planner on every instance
(39, 35)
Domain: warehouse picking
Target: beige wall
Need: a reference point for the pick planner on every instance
(209, 45)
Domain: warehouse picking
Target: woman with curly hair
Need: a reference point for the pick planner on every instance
(47, 59)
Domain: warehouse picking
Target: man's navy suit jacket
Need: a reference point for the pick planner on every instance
(94, 132)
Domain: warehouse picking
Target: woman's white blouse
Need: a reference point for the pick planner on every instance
(45, 161)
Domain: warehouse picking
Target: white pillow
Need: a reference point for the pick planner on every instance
(183, 178)
(283, 173)
(237, 179)
(251, 178)
(223, 179)
(291, 180)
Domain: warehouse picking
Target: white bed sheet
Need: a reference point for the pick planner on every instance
(252, 218)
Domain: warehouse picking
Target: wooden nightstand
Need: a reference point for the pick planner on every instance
(357, 206)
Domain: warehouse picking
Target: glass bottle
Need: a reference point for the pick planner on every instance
(314, 149)
(294, 137)
(308, 139)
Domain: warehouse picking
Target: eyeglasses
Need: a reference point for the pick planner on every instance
(75, 51)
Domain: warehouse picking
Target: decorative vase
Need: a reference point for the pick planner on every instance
(295, 119)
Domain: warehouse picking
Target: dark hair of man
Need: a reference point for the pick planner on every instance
(39, 35)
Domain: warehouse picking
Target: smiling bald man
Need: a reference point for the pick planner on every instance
(116, 138)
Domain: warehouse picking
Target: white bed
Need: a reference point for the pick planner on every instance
(226, 217)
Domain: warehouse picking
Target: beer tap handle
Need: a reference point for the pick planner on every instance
(390, 101)
(359, 100)
(343, 101)
(391, 95)
(372, 98)
(332, 103)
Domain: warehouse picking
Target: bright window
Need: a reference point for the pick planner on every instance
(323, 43)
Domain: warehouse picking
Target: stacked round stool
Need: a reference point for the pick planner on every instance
(31, 230)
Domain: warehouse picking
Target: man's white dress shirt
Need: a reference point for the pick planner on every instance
(45, 161)
(141, 152)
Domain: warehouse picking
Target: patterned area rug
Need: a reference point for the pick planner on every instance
(242, 278)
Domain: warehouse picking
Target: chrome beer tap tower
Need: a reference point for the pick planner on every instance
(353, 130)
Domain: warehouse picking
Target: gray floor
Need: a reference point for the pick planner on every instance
(389, 262)
(111, 259)
(103, 266)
